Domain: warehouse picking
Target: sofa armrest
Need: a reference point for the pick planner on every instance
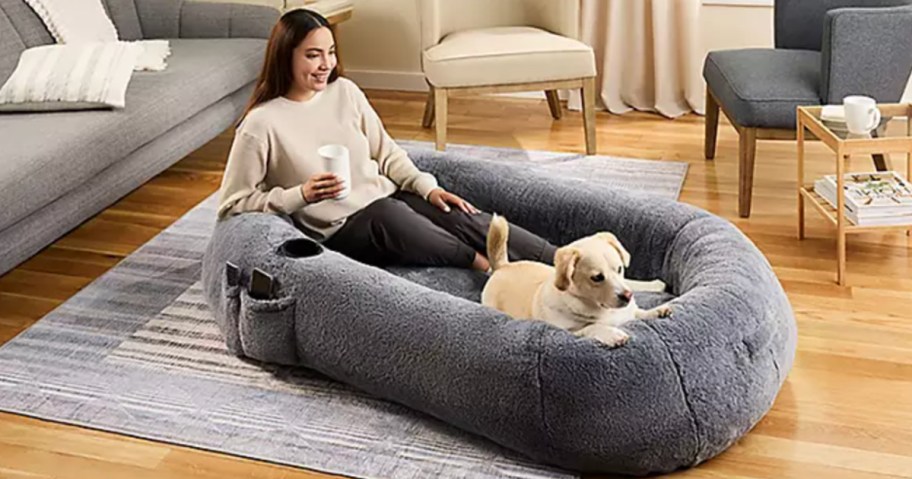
(864, 53)
(189, 19)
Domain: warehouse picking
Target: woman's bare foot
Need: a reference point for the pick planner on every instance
(480, 263)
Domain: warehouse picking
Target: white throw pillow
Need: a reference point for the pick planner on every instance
(80, 21)
(74, 21)
(71, 77)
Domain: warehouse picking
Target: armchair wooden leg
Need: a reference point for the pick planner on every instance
(589, 114)
(554, 104)
(747, 150)
(440, 115)
(428, 120)
(712, 125)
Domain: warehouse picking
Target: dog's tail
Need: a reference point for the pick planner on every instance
(498, 233)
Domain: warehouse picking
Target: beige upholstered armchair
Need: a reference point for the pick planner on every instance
(500, 46)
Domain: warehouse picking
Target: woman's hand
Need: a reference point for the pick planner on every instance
(322, 186)
(442, 199)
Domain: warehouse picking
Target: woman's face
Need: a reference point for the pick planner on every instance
(313, 60)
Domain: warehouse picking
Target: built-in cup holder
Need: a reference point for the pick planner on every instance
(300, 248)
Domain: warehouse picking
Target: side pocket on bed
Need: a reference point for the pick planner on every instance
(228, 317)
(267, 331)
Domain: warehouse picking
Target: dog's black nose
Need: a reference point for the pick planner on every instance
(624, 297)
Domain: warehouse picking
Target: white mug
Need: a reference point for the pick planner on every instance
(861, 114)
(336, 160)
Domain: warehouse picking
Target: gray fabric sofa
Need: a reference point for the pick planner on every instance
(680, 392)
(59, 169)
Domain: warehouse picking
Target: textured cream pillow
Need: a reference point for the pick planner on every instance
(71, 77)
(80, 21)
(75, 21)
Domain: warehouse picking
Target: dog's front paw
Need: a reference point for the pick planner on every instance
(613, 338)
(608, 335)
(663, 311)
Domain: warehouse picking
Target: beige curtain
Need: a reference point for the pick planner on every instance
(648, 55)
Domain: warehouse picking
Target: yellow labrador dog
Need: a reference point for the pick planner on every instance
(584, 293)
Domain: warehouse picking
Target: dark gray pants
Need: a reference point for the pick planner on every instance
(406, 230)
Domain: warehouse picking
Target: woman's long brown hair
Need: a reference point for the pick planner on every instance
(276, 76)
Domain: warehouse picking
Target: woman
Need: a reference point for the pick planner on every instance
(394, 213)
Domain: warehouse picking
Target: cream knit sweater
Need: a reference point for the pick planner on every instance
(275, 151)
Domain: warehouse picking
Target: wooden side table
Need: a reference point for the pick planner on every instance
(844, 147)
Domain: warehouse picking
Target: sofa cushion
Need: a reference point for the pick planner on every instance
(20, 28)
(126, 20)
(27, 26)
(763, 87)
(45, 155)
(506, 55)
(10, 48)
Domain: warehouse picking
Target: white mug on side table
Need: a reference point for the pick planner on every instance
(336, 160)
(861, 114)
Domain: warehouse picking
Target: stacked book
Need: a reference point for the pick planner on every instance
(871, 199)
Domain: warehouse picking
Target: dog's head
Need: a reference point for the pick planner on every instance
(592, 269)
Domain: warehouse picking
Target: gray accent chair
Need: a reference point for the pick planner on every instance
(825, 51)
(61, 168)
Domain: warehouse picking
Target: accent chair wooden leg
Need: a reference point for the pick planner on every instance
(747, 150)
(712, 126)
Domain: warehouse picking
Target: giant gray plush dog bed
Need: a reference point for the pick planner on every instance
(681, 391)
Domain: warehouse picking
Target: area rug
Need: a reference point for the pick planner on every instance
(137, 352)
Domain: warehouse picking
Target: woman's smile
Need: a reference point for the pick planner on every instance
(320, 77)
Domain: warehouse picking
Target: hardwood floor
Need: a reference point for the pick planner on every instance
(845, 411)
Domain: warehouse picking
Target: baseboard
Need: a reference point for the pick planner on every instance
(414, 81)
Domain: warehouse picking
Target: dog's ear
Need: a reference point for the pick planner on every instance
(565, 262)
(613, 241)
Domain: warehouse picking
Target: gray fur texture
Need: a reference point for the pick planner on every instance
(681, 391)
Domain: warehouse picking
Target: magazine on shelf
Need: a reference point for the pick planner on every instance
(874, 198)
(883, 220)
(829, 193)
(873, 191)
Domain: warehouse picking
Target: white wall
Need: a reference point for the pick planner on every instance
(380, 45)
(734, 26)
